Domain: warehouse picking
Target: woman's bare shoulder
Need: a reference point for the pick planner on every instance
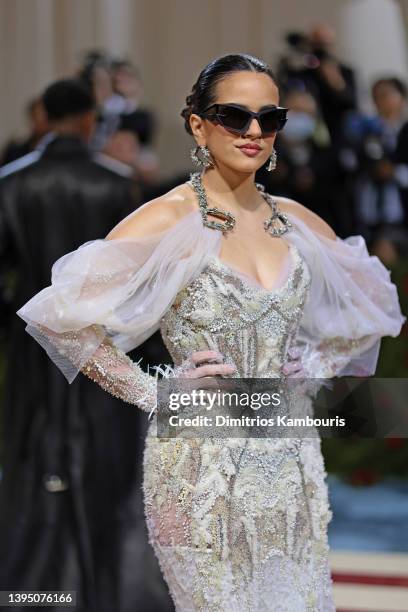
(309, 217)
(156, 215)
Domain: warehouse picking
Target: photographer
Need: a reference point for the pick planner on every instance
(376, 156)
(311, 60)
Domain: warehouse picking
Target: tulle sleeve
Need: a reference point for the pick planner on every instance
(108, 296)
(352, 303)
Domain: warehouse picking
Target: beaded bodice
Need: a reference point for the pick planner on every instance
(217, 509)
(250, 325)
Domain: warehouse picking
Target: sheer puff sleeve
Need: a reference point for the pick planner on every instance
(108, 296)
(351, 304)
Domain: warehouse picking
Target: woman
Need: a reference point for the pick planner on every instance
(236, 524)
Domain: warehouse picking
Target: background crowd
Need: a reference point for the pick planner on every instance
(72, 455)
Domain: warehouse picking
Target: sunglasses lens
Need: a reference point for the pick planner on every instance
(233, 118)
(238, 120)
(273, 121)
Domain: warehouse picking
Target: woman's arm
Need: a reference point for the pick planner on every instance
(116, 373)
(351, 302)
(110, 294)
(109, 366)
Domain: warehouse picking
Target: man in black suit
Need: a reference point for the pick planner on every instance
(71, 513)
(333, 81)
(38, 128)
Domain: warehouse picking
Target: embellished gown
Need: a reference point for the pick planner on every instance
(237, 524)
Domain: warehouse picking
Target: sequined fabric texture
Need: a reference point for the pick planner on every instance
(239, 524)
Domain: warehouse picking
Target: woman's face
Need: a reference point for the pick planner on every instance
(254, 91)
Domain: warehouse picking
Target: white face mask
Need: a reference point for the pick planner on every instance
(299, 126)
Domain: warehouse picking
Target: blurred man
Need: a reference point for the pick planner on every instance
(375, 154)
(127, 83)
(96, 73)
(307, 168)
(136, 118)
(311, 60)
(334, 81)
(71, 513)
(38, 124)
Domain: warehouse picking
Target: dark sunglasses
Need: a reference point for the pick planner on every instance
(237, 119)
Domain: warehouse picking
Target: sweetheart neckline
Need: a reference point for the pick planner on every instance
(253, 284)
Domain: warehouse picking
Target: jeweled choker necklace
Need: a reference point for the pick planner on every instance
(276, 225)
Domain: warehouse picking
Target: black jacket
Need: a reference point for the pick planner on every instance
(71, 514)
(401, 158)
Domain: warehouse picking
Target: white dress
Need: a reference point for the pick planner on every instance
(238, 524)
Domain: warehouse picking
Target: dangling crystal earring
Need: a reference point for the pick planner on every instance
(272, 161)
(201, 156)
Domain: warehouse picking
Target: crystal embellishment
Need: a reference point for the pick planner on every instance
(228, 218)
(276, 225)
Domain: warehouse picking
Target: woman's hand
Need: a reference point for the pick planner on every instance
(213, 365)
(293, 367)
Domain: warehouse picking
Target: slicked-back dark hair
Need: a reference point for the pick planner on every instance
(203, 92)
